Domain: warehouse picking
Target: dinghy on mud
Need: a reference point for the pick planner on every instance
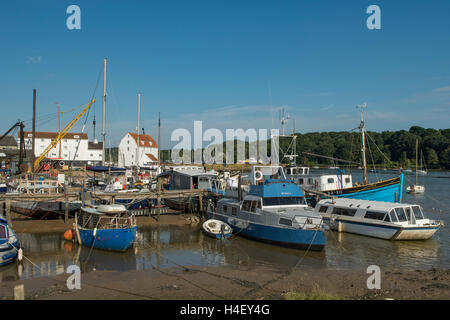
(217, 229)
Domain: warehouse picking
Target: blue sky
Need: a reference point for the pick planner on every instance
(231, 64)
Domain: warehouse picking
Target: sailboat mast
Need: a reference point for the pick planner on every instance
(417, 149)
(159, 143)
(104, 112)
(363, 139)
(138, 131)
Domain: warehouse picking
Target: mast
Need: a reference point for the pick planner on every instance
(34, 132)
(363, 140)
(417, 149)
(104, 112)
(138, 131)
(159, 143)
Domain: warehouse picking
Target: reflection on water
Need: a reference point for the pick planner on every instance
(169, 246)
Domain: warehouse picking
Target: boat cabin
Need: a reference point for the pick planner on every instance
(189, 177)
(386, 220)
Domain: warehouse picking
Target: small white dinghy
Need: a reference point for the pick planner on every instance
(416, 188)
(217, 229)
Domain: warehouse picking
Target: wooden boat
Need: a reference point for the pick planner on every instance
(217, 229)
(107, 227)
(384, 220)
(9, 243)
(45, 209)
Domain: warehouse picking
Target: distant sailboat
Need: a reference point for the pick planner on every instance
(416, 188)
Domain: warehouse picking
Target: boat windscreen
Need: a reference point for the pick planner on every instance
(417, 212)
(2, 232)
(400, 214)
(283, 201)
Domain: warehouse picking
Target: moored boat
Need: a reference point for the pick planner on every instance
(384, 220)
(273, 211)
(217, 229)
(108, 227)
(9, 243)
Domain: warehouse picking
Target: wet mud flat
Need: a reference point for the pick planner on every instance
(204, 283)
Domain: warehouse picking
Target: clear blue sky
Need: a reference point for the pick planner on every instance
(216, 60)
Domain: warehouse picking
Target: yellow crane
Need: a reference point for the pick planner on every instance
(60, 136)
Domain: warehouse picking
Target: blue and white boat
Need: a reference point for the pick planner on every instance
(9, 243)
(384, 220)
(273, 211)
(107, 227)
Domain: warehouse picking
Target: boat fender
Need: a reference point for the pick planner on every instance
(95, 232)
(20, 255)
(258, 175)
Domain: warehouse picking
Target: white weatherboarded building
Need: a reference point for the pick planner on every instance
(74, 147)
(129, 152)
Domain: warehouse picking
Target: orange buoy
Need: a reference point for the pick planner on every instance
(68, 235)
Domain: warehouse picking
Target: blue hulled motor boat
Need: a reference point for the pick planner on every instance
(9, 243)
(108, 227)
(273, 211)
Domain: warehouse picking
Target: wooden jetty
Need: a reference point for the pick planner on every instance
(111, 197)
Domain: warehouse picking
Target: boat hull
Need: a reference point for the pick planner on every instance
(382, 231)
(387, 191)
(108, 239)
(45, 209)
(294, 238)
(9, 254)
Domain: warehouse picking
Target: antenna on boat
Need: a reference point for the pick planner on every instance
(363, 140)
(283, 117)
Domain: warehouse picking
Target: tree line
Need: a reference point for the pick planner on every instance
(389, 149)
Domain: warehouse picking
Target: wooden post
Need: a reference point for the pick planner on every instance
(66, 200)
(159, 206)
(8, 211)
(200, 207)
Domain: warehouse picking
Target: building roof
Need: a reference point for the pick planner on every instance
(145, 139)
(151, 157)
(52, 135)
(8, 141)
(95, 145)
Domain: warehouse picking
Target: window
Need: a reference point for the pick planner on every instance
(310, 181)
(246, 205)
(285, 222)
(386, 218)
(347, 180)
(2, 232)
(92, 155)
(254, 205)
(408, 213)
(323, 209)
(224, 209)
(288, 171)
(344, 212)
(330, 180)
(283, 201)
(300, 181)
(417, 212)
(393, 216)
(374, 215)
(233, 211)
(400, 214)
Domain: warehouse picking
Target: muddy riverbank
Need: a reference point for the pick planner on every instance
(201, 283)
(22, 225)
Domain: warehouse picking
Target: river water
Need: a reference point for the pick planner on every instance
(171, 246)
